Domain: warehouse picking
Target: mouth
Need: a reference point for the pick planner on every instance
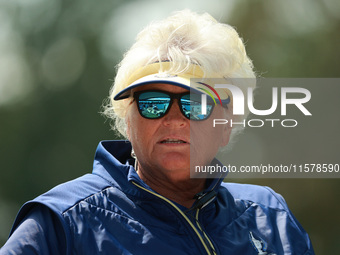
(173, 141)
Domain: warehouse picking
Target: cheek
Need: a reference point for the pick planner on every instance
(137, 128)
(218, 136)
(222, 135)
(222, 131)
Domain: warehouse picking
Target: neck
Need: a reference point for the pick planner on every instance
(179, 191)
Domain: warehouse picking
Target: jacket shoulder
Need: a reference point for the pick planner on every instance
(262, 195)
(64, 196)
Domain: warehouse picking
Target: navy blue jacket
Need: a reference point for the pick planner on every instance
(112, 211)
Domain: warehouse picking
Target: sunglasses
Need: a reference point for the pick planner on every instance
(154, 104)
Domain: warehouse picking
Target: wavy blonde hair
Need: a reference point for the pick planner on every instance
(184, 38)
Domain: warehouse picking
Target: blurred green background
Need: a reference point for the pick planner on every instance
(57, 63)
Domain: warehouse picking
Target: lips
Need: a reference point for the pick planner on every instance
(174, 141)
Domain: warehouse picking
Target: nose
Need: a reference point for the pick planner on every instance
(174, 117)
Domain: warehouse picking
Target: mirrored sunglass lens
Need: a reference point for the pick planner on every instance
(192, 107)
(153, 104)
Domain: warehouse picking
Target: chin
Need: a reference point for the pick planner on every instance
(173, 163)
(177, 168)
(178, 177)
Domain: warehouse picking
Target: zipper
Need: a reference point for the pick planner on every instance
(213, 251)
(210, 250)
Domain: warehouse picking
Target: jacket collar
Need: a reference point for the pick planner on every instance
(113, 161)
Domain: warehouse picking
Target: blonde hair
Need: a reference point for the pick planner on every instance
(184, 38)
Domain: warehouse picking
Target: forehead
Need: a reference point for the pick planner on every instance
(161, 86)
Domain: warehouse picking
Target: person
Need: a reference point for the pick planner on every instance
(142, 196)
